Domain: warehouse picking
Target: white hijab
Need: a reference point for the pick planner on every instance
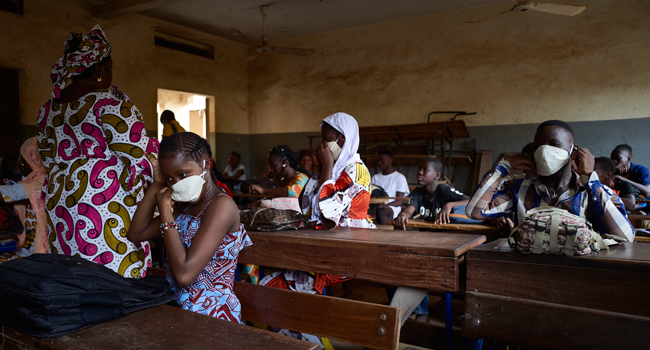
(346, 125)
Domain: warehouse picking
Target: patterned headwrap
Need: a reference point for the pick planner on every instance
(81, 52)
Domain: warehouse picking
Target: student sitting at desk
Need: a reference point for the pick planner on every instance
(202, 232)
(393, 182)
(340, 196)
(289, 180)
(580, 193)
(636, 175)
(606, 168)
(433, 202)
(235, 172)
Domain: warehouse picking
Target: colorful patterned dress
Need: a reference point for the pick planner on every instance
(211, 293)
(296, 186)
(344, 202)
(94, 150)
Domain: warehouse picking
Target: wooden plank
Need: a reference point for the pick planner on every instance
(445, 244)
(482, 166)
(371, 325)
(627, 256)
(601, 289)
(162, 327)
(430, 336)
(382, 200)
(422, 271)
(642, 239)
(541, 325)
(457, 127)
(450, 227)
(118, 8)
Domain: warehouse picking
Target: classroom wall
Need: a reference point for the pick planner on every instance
(33, 42)
(515, 70)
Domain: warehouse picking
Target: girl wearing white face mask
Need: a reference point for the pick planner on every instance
(340, 196)
(202, 232)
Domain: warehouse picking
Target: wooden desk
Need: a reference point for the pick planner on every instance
(430, 260)
(559, 302)
(450, 227)
(161, 327)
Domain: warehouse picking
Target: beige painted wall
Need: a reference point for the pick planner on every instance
(514, 69)
(34, 41)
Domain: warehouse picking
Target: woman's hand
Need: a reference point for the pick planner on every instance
(164, 200)
(443, 216)
(256, 189)
(157, 175)
(324, 154)
(522, 161)
(400, 221)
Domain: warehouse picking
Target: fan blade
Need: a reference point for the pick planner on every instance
(253, 56)
(559, 9)
(486, 18)
(241, 35)
(293, 51)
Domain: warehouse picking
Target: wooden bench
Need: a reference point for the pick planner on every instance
(596, 301)
(159, 327)
(431, 260)
(366, 324)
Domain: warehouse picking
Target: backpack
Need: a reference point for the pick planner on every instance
(270, 219)
(48, 295)
(551, 230)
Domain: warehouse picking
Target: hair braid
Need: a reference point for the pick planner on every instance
(188, 144)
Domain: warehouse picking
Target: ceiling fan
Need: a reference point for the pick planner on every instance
(264, 46)
(555, 9)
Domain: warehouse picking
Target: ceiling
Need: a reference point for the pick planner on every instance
(291, 18)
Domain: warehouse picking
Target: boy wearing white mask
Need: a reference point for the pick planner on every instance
(579, 192)
(340, 196)
(202, 232)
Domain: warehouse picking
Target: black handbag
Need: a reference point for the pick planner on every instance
(48, 295)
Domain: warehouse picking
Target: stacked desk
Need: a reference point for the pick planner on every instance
(597, 301)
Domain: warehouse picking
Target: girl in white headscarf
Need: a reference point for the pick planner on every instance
(340, 196)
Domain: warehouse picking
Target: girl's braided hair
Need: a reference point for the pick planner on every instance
(188, 144)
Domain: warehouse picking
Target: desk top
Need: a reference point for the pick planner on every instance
(450, 227)
(627, 256)
(446, 244)
(165, 327)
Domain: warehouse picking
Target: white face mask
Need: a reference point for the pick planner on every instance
(335, 148)
(550, 159)
(189, 189)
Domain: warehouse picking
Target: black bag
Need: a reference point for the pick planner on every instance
(270, 219)
(11, 224)
(48, 295)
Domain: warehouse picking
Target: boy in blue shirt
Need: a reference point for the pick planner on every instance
(636, 175)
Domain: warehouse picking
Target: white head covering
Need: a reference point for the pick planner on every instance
(346, 125)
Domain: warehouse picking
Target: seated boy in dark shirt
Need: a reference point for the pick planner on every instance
(605, 168)
(636, 175)
(432, 201)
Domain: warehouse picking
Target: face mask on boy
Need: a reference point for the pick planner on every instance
(550, 159)
(335, 148)
(189, 189)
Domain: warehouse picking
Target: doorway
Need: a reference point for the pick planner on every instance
(189, 110)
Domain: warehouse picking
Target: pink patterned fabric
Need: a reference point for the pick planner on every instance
(211, 293)
(94, 151)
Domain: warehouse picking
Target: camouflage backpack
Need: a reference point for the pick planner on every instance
(551, 230)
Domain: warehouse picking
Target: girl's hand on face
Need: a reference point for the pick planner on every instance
(157, 174)
(164, 199)
(522, 161)
(324, 154)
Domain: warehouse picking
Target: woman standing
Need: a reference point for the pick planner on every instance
(170, 124)
(92, 140)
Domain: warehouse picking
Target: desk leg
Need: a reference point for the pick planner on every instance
(449, 326)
